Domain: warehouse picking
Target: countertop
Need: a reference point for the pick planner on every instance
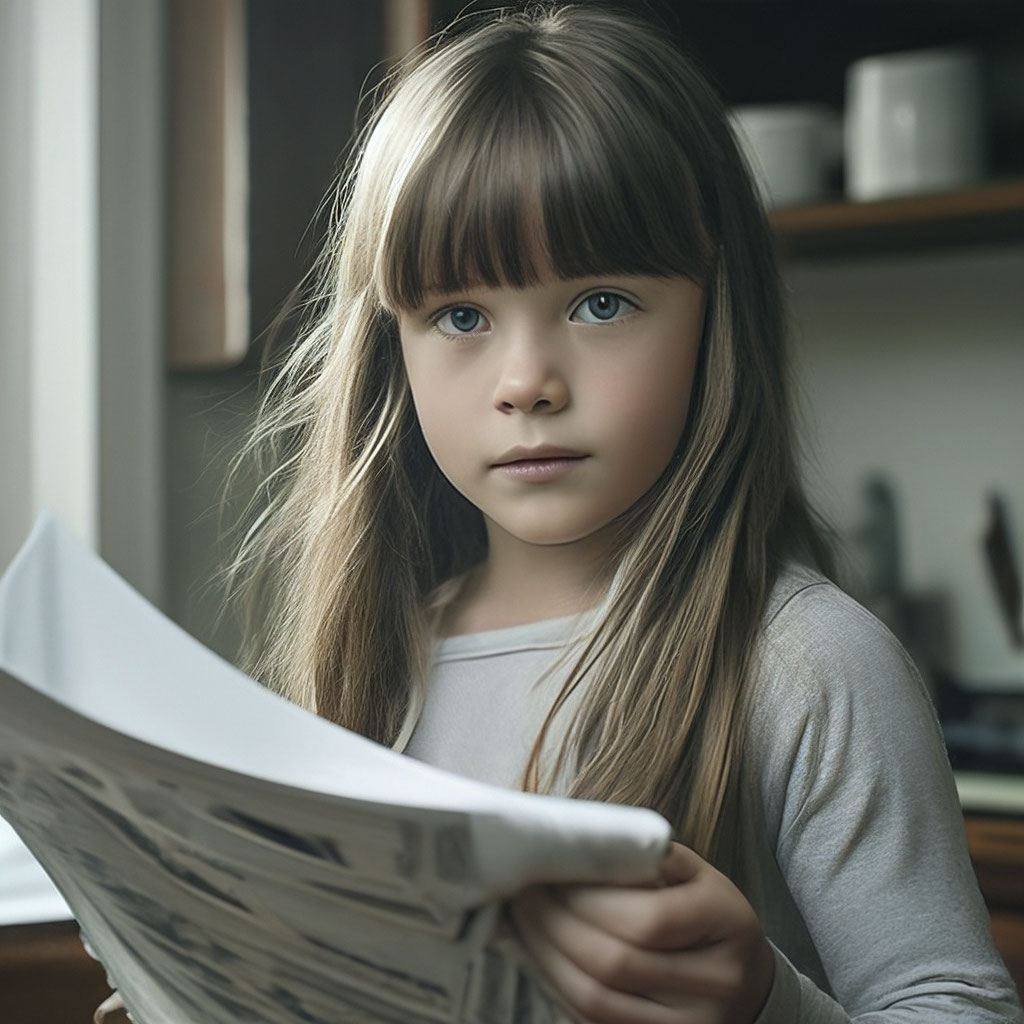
(991, 793)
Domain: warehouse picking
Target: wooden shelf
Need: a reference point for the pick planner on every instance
(989, 213)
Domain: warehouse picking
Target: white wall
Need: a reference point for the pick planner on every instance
(80, 237)
(914, 367)
(50, 50)
(15, 478)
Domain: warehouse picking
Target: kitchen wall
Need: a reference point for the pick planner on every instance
(206, 419)
(912, 367)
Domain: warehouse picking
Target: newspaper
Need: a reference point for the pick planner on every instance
(234, 859)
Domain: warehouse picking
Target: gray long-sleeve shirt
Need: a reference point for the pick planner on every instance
(850, 844)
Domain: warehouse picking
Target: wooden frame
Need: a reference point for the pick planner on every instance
(208, 259)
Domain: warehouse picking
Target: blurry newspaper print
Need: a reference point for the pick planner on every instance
(205, 908)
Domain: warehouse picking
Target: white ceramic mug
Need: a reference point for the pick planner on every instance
(914, 123)
(792, 148)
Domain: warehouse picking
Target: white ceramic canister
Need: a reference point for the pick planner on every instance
(792, 149)
(914, 123)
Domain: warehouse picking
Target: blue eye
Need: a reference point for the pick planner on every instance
(459, 320)
(602, 307)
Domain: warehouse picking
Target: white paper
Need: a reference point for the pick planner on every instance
(233, 858)
(27, 896)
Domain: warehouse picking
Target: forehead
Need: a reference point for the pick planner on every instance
(555, 291)
(510, 197)
(487, 241)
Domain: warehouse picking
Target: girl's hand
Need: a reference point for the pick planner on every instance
(692, 952)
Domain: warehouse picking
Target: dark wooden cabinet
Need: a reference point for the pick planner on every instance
(46, 977)
(997, 850)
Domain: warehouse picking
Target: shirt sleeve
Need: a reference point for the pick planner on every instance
(870, 834)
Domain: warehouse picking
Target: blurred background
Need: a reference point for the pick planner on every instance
(163, 175)
(163, 172)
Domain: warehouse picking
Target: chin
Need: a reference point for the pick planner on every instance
(548, 534)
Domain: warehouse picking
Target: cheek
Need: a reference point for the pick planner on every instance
(441, 420)
(436, 423)
(423, 389)
(649, 407)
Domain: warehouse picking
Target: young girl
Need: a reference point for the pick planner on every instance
(536, 519)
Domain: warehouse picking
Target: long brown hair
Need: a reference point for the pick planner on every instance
(592, 122)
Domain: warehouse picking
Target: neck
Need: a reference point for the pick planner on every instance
(519, 583)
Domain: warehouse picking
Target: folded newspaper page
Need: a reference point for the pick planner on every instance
(234, 859)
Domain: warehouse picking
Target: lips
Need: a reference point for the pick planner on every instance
(541, 465)
(542, 453)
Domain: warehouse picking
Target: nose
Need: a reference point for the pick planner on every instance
(530, 379)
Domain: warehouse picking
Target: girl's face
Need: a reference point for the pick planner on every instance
(555, 407)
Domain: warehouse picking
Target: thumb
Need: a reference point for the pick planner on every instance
(680, 864)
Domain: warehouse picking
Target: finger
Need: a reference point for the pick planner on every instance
(616, 963)
(675, 978)
(676, 917)
(585, 995)
(680, 864)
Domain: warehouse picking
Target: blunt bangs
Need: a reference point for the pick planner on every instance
(540, 170)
